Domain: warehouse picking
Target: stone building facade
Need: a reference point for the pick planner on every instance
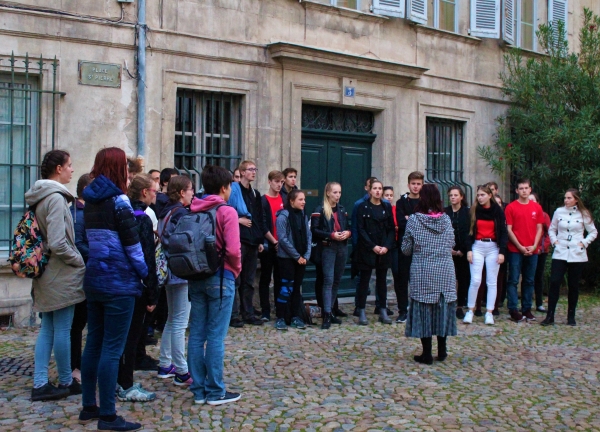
(339, 89)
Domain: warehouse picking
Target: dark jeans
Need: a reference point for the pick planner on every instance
(557, 275)
(463, 279)
(79, 322)
(539, 279)
(269, 266)
(333, 263)
(136, 332)
(525, 266)
(380, 287)
(319, 280)
(109, 317)
(245, 281)
(290, 296)
(401, 287)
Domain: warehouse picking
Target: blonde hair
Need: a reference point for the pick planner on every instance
(138, 184)
(327, 210)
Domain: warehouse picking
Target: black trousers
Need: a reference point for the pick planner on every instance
(463, 279)
(380, 287)
(401, 287)
(79, 322)
(557, 274)
(136, 330)
(290, 296)
(539, 279)
(269, 266)
(245, 280)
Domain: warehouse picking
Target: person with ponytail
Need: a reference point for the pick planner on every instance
(329, 225)
(293, 252)
(569, 224)
(56, 292)
(113, 279)
(486, 245)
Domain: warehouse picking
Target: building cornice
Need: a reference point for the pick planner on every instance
(345, 12)
(316, 59)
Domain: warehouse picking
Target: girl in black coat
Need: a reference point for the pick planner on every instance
(376, 233)
(458, 212)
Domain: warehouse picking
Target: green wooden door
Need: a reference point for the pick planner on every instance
(333, 156)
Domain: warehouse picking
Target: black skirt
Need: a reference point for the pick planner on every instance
(431, 319)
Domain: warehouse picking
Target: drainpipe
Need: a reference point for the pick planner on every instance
(141, 75)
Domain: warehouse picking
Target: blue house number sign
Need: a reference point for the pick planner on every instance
(348, 91)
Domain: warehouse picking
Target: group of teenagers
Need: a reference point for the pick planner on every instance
(105, 267)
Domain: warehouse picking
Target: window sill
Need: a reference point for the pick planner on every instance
(445, 34)
(528, 53)
(345, 12)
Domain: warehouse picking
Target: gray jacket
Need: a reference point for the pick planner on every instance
(61, 284)
(430, 240)
(286, 247)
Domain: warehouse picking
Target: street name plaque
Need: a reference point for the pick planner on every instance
(99, 74)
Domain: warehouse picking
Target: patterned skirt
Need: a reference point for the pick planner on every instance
(427, 320)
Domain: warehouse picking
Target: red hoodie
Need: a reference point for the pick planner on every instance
(228, 229)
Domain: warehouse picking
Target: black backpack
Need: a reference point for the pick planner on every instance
(192, 252)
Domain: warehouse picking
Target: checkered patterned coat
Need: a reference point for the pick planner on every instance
(430, 241)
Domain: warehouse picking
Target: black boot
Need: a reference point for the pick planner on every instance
(571, 318)
(383, 316)
(326, 321)
(362, 317)
(442, 352)
(334, 319)
(549, 320)
(426, 357)
(339, 313)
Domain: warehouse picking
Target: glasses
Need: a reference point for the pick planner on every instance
(252, 169)
(152, 190)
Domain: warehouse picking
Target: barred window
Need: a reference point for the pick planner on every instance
(207, 131)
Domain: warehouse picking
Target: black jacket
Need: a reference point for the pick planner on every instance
(254, 235)
(146, 233)
(501, 231)
(81, 240)
(405, 206)
(461, 230)
(374, 232)
(322, 228)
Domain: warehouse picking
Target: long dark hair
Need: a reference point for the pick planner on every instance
(430, 200)
(580, 205)
(475, 205)
(111, 162)
(463, 201)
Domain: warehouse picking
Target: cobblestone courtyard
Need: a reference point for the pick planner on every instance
(506, 377)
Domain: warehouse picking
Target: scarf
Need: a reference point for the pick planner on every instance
(298, 226)
(482, 213)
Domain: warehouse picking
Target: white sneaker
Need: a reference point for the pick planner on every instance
(489, 318)
(468, 317)
(135, 394)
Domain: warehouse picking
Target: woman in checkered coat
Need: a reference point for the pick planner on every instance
(429, 238)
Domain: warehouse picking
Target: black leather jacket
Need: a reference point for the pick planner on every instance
(322, 228)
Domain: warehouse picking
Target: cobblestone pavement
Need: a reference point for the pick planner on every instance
(350, 378)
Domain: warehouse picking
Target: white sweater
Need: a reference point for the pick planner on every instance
(568, 228)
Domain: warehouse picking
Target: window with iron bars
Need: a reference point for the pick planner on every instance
(21, 100)
(445, 156)
(207, 132)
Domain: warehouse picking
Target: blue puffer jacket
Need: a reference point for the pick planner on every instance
(116, 262)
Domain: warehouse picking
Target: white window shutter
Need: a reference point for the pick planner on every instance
(393, 8)
(508, 21)
(485, 18)
(417, 11)
(557, 11)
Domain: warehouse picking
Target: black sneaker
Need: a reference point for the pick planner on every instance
(118, 425)
(516, 316)
(150, 341)
(254, 321)
(147, 363)
(74, 388)
(527, 314)
(226, 398)
(236, 323)
(376, 311)
(339, 313)
(459, 313)
(401, 318)
(496, 312)
(355, 313)
(86, 417)
(478, 313)
(389, 311)
(49, 392)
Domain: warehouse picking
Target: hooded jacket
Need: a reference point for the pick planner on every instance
(430, 239)
(116, 263)
(286, 247)
(80, 235)
(61, 283)
(227, 232)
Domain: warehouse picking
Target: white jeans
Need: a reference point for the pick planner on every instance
(172, 345)
(484, 253)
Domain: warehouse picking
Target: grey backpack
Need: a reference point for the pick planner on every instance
(192, 252)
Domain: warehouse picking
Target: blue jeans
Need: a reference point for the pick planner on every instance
(209, 322)
(520, 264)
(109, 317)
(55, 333)
(172, 343)
(334, 263)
